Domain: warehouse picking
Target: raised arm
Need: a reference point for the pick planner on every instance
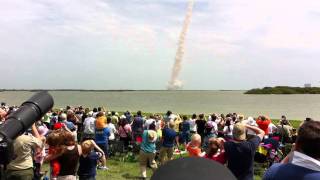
(260, 133)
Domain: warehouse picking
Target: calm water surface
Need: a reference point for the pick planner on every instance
(294, 106)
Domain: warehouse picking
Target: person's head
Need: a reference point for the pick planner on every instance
(239, 132)
(283, 117)
(108, 119)
(284, 122)
(62, 117)
(196, 140)
(201, 116)
(99, 109)
(69, 139)
(55, 138)
(308, 119)
(87, 146)
(308, 139)
(152, 135)
(139, 113)
(168, 113)
(171, 124)
(184, 118)
(152, 126)
(100, 114)
(241, 118)
(113, 113)
(194, 116)
(213, 146)
(263, 118)
(228, 122)
(95, 110)
(123, 122)
(213, 117)
(90, 113)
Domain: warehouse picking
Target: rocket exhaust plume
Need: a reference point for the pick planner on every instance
(174, 82)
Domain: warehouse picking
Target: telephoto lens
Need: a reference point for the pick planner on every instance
(29, 112)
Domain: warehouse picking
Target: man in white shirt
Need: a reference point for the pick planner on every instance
(89, 126)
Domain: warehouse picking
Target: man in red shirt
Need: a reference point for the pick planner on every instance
(263, 123)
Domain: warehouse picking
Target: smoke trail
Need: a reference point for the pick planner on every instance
(174, 82)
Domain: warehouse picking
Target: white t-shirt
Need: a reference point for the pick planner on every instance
(226, 130)
(89, 126)
(272, 128)
(193, 125)
(215, 127)
(148, 123)
(113, 130)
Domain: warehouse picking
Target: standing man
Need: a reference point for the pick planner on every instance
(240, 152)
(21, 167)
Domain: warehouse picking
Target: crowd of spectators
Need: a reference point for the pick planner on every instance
(76, 141)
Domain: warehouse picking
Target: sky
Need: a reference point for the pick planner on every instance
(131, 44)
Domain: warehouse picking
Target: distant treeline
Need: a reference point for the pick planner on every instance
(285, 90)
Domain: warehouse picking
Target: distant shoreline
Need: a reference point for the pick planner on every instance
(284, 90)
(97, 90)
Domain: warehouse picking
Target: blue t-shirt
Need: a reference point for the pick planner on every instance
(102, 135)
(290, 171)
(241, 156)
(168, 136)
(186, 127)
(146, 145)
(88, 164)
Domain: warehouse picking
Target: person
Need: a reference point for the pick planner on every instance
(285, 131)
(216, 151)
(169, 137)
(89, 126)
(114, 118)
(69, 158)
(263, 123)
(193, 147)
(303, 163)
(55, 141)
(185, 133)
(113, 130)
(208, 134)
(125, 132)
(240, 152)
(250, 121)
(101, 139)
(88, 160)
(193, 125)
(227, 130)
(148, 152)
(149, 121)
(101, 121)
(201, 126)
(137, 125)
(21, 167)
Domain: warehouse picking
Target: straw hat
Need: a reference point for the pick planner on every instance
(239, 132)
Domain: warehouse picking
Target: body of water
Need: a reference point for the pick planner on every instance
(188, 102)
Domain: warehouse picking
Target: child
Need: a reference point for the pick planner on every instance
(216, 151)
(55, 140)
(88, 160)
(40, 153)
(193, 147)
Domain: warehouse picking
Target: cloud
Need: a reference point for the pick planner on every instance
(143, 35)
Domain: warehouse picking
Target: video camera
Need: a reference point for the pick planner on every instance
(20, 121)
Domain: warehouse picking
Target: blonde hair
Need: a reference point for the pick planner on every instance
(196, 138)
(87, 146)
